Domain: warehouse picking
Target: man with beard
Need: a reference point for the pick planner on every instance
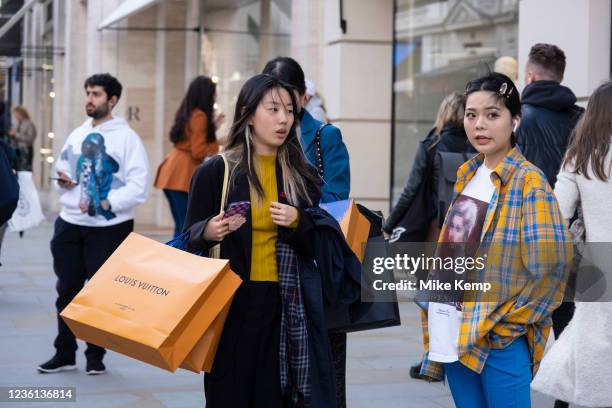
(102, 176)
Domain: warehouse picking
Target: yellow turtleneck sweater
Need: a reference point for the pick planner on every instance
(265, 232)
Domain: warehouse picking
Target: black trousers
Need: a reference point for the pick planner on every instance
(338, 346)
(561, 317)
(246, 371)
(78, 252)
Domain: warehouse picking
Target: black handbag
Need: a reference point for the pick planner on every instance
(360, 315)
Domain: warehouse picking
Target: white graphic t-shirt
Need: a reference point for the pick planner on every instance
(464, 224)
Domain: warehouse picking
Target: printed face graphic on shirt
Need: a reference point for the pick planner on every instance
(94, 174)
(464, 226)
(466, 220)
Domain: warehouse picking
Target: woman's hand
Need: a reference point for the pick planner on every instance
(283, 215)
(218, 227)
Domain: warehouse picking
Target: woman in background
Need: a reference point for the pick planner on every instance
(577, 368)
(23, 138)
(194, 139)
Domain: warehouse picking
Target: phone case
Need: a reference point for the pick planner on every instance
(240, 207)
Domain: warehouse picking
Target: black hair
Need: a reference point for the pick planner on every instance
(287, 70)
(200, 95)
(550, 58)
(503, 88)
(300, 181)
(109, 83)
(500, 85)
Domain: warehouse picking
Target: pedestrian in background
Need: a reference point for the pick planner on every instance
(194, 139)
(9, 187)
(314, 103)
(103, 175)
(493, 342)
(447, 136)
(577, 368)
(548, 111)
(325, 150)
(22, 138)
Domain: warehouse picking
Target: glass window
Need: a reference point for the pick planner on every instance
(239, 38)
(439, 47)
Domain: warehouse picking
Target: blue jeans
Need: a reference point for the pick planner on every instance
(178, 208)
(503, 383)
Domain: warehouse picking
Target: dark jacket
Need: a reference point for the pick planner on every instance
(9, 187)
(549, 114)
(336, 170)
(334, 281)
(317, 237)
(452, 139)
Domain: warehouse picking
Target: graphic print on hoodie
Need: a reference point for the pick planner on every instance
(109, 166)
(94, 174)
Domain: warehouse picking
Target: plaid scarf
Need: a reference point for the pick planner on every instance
(293, 355)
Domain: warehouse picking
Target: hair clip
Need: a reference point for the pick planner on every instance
(502, 89)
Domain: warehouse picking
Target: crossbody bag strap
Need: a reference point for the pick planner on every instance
(225, 182)
(215, 252)
(317, 141)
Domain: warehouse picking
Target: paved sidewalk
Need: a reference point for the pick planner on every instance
(378, 361)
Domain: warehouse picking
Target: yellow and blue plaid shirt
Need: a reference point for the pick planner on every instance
(528, 251)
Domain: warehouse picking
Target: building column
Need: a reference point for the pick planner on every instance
(307, 38)
(357, 86)
(586, 44)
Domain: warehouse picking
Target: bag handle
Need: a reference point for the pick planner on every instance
(317, 141)
(215, 252)
(225, 182)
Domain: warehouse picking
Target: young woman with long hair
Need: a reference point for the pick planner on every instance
(489, 344)
(267, 168)
(577, 368)
(194, 139)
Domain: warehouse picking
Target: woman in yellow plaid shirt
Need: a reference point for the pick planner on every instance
(490, 345)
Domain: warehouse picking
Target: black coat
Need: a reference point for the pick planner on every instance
(452, 139)
(334, 281)
(549, 114)
(9, 187)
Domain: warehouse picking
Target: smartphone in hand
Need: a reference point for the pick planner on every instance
(238, 207)
(62, 180)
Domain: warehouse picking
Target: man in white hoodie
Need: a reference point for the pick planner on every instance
(102, 176)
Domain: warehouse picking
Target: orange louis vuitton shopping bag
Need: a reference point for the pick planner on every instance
(354, 225)
(202, 356)
(154, 303)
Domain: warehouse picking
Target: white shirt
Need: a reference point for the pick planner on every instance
(444, 319)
